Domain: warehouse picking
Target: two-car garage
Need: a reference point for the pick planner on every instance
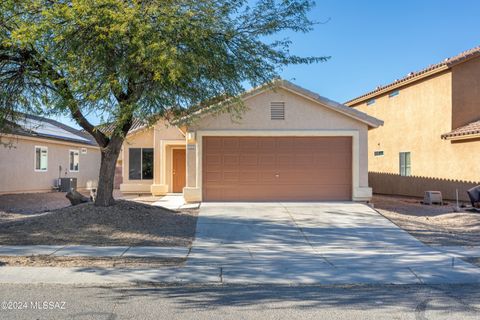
(287, 144)
(277, 168)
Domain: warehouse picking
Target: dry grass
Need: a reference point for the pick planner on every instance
(431, 224)
(127, 223)
(104, 262)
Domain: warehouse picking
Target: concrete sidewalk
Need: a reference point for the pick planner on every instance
(94, 251)
(273, 243)
(175, 201)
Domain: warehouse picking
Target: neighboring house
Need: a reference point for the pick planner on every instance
(290, 144)
(431, 136)
(35, 152)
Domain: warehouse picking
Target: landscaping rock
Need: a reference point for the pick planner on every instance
(76, 198)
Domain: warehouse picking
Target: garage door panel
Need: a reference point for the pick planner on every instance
(248, 143)
(248, 176)
(267, 145)
(214, 176)
(268, 177)
(213, 158)
(231, 176)
(298, 177)
(344, 162)
(257, 193)
(229, 143)
(230, 160)
(304, 160)
(266, 160)
(301, 143)
(284, 144)
(277, 168)
(249, 159)
(215, 143)
(287, 160)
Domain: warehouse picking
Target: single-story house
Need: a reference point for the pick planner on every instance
(290, 144)
(35, 152)
(431, 132)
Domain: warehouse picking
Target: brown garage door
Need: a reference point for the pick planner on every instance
(277, 168)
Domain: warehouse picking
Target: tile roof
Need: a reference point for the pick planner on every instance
(472, 128)
(336, 106)
(333, 105)
(40, 127)
(445, 64)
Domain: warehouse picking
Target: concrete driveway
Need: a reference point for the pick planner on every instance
(316, 243)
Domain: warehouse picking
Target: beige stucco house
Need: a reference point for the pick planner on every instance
(432, 129)
(35, 152)
(289, 144)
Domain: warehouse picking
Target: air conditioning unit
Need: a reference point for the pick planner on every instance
(67, 184)
(432, 197)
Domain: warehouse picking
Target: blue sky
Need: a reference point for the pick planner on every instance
(375, 42)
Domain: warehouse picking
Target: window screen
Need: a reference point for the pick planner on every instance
(74, 160)
(135, 164)
(405, 164)
(41, 158)
(147, 163)
(140, 163)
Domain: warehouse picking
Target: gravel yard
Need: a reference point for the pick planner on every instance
(432, 224)
(72, 262)
(20, 205)
(15, 206)
(127, 223)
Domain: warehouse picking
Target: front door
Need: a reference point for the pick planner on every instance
(179, 170)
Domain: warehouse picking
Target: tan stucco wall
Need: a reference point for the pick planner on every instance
(155, 137)
(17, 172)
(414, 120)
(301, 113)
(466, 93)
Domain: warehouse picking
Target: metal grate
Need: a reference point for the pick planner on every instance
(277, 110)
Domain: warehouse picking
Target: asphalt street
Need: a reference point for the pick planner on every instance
(417, 302)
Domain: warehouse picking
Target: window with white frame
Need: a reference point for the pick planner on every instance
(41, 158)
(405, 164)
(74, 160)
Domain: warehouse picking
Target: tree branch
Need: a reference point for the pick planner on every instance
(31, 56)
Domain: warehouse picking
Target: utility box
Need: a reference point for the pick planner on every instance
(67, 184)
(433, 197)
(474, 195)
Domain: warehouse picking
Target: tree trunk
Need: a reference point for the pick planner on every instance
(107, 173)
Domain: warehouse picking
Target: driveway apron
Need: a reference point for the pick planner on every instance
(316, 243)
